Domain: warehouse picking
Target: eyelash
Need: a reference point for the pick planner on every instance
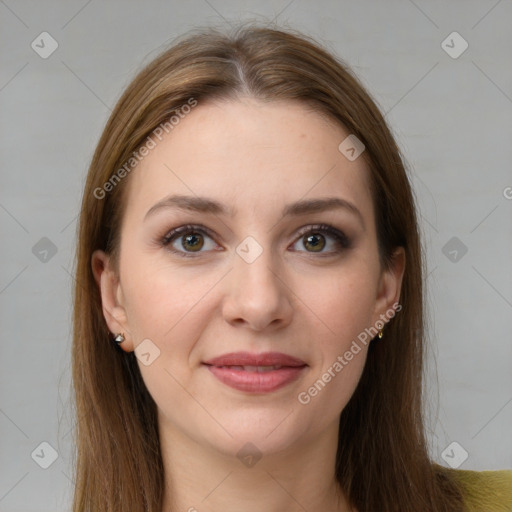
(342, 241)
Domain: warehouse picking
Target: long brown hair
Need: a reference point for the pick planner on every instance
(382, 458)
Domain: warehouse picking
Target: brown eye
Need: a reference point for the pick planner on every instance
(193, 242)
(314, 241)
(189, 240)
(322, 239)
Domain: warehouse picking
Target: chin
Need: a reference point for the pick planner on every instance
(256, 431)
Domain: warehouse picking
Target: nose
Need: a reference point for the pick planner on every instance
(257, 295)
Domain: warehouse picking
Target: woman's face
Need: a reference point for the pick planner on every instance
(266, 267)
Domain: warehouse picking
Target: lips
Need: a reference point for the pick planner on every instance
(256, 373)
(248, 359)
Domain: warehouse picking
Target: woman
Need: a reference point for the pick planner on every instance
(249, 301)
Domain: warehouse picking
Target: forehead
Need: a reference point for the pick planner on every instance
(250, 155)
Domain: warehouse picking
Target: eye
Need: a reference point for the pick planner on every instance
(316, 238)
(189, 239)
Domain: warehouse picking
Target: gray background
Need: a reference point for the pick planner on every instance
(451, 116)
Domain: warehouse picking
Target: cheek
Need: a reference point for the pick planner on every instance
(339, 356)
(343, 304)
(343, 309)
(161, 300)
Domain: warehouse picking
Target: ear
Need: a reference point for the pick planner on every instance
(112, 298)
(389, 288)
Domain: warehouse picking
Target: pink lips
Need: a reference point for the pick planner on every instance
(256, 373)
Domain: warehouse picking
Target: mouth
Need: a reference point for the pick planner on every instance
(259, 369)
(256, 373)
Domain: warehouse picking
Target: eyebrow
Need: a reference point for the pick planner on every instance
(207, 205)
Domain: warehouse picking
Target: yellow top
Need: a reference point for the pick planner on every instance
(486, 491)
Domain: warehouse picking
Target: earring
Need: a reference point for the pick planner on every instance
(381, 333)
(119, 338)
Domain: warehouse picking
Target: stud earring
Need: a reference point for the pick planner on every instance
(119, 338)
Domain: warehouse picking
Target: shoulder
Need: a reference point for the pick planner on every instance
(489, 491)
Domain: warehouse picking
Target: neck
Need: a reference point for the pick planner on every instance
(199, 478)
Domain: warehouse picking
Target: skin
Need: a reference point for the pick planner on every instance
(255, 157)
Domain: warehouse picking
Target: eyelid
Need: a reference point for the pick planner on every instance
(186, 228)
(175, 233)
(341, 238)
